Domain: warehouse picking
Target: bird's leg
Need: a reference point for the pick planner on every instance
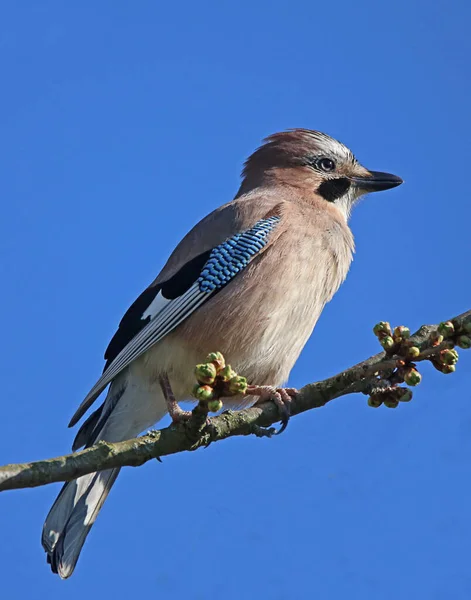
(280, 396)
(176, 413)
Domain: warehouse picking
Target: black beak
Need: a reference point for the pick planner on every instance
(376, 181)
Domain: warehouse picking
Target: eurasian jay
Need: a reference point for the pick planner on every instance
(250, 280)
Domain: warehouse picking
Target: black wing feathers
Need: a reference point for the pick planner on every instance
(182, 281)
(132, 322)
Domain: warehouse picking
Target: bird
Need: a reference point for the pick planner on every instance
(250, 280)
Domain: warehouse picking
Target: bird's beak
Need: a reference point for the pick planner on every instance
(376, 181)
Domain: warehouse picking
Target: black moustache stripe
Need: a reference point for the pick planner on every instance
(333, 189)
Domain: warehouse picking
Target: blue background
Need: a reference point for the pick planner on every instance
(124, 123)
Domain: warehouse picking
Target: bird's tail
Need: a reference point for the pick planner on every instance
(71, 518)
(129, 408)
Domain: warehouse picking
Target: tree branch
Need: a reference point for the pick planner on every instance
(365, 377)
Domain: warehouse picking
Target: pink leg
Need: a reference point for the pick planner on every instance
(280, 396)
(176, 413)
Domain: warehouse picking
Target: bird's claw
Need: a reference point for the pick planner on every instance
(280, 396)
(263, 431)
(178, 415)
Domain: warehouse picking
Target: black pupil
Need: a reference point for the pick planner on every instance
(326, 164)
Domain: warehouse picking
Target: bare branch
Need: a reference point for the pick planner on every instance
(363, 378)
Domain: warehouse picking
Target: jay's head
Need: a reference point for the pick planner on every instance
(316, 163)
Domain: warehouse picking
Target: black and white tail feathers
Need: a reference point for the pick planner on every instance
(79, 502)
(132, 405)
(71, 518)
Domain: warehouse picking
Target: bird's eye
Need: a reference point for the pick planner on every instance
(326, 164)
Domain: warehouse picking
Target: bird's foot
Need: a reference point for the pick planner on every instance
(280, 396)
(177, 414)
(197, 420)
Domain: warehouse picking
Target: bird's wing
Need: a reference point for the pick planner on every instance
(193, 274)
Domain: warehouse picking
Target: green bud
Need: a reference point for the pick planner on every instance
(391, 403)
(446, 329)
(387, 342)
(447, 369)
(214, 405)
(203, 392)
(467, 325)
(464, 341)
(382, 327)
(205, 373)
(217, 359)
(237, 385)
(402, 332)
(412, 377)
(227, 373)
(413, 352)
(449, 357)
(406, 395)
(374, 402)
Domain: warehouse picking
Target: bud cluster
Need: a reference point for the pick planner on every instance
(383, 332)
(216, 380)
(463, 334)
(397, 343)
(390, 397)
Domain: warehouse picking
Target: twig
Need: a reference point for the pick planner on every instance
(361, 378)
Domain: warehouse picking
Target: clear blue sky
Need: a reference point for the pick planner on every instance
(122, 124)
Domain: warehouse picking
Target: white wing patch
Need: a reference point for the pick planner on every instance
(155, 306)
(171, 314)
